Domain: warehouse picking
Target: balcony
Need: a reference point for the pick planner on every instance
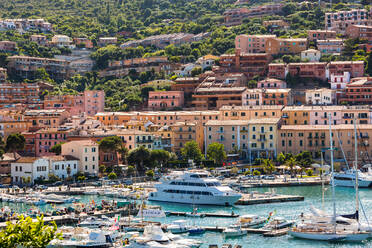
(145, 141)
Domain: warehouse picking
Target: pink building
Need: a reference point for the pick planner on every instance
(8, 46)
(252, 43)
(314, 35)
(46, 139)
(319, 114)
(83, 41)
(165, 99)
(355, 68)
(39, 39)
(272, 83)
(341, 20)
(94, 101)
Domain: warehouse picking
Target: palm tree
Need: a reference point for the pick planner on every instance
(291, 163)
(268, 166)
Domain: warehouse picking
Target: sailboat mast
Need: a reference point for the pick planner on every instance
(332, 173)
(356, 171)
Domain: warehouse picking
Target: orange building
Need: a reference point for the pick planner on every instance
(285, 46)
(52, 118)
(15, 93)
(277, 97)
(314, 35)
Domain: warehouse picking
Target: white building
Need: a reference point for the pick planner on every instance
(59, 166)
(87, 153)
(186, 69)
(207, 61)
(339, 81)
(311, 54)
(29, 167)
(320, 96)
(62, 41)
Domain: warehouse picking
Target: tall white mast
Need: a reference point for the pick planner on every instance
(332, 174)
(356, 171)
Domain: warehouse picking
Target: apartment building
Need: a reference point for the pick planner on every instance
(15, 93)
(52, 118)
(285, 45)
(358, 91)
(319, 114)
(186, 84)
(322, 96)
(159, 100)
(8, 46)
(252, 43)
(216, 97)
(341, 20)
(184, 132)
(271, 83)
(9, 125)
(256, 137)
(39, 39)
(122, 68)
(252, 97)
(360, 31)
(86, 151)
(251, 64)
(333, 46)
(320, 70)
(89, 102)
(277, 97)
(26, 24)
(316, 139)
(315, 35)
(250, 112)
(296, 115)
(233, 17)
(311, 55)
(26, 67)
(355, 68)
(338, 82)
(46, 138)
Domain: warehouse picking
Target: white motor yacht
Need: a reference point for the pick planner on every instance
(231, 232)
(94, 222)
(347, 179)
(178, 226)
(195, 187)
(251, 221)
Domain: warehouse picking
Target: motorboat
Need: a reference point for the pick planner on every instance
(251, 221)
(196, 230)
(85, 238)
(193, 187)
(278, 223)
(178, 226)
(347, 179)
(94, 222)
(231, 232)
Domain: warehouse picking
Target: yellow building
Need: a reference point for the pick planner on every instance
(255, 137)
(296, 115)
(184, 132)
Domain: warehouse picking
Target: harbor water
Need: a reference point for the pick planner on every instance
(345, 200)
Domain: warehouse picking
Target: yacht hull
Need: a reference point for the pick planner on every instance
(202, 200)
(351, 183)
(330, 236)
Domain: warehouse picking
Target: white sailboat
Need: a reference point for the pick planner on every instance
(328, 229)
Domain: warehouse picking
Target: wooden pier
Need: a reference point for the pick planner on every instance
(276, 183)
(253, 199)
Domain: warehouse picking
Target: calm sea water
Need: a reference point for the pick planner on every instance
(345, 200)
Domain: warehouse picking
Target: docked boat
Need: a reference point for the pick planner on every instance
(178, 226)
(347, 179)
(278, 223)
(234, 232)
(195, 230)
(94, 222)
(250, 221)
(193, 187)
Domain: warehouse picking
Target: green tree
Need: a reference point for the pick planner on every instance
(123, 151)
(27, 233)
(281, 158)
(192, 151)
(57, 149)
(130, 170)
(111, 144)
(160, 156)
(268, 166)
(196, 71)
(150, 173)
(216, 152)
(15, 142)
(112, 176)
(256, 173)
(138, 157)
(291, 163)
(41, 74)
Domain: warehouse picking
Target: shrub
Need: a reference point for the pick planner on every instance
(309, 172)
(150, 173)
(112, 176)
(247, 173)
(256, 173)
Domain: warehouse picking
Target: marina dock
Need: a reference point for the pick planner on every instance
(216, 215)
(279, 183)
(252, 199)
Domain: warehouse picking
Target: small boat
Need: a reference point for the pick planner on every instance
(278, 223)
(178, 226)
(196, 231)
(234, 232)
(251, 221)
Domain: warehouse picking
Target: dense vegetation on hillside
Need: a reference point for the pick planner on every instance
(142, 18)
